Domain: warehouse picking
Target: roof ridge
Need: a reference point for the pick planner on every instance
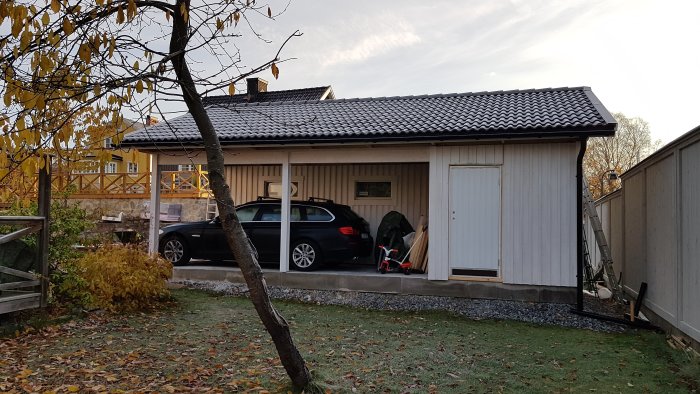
(269, 91)
(422, 96)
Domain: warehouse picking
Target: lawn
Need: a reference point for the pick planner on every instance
(215, 343)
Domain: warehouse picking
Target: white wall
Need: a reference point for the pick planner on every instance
(539, 214)
(659, 216)
(538, 204)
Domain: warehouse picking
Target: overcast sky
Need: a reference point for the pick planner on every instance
(640, 57)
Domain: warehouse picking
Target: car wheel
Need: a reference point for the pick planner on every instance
(175, 250)
(305, 256)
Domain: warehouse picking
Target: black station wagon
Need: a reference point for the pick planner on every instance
(320, 231)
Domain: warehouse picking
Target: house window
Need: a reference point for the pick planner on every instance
(372, 189)
(274, 189)
(111, 168)
(133, 168)
(108, 142)
(186, 167)
(88, 167)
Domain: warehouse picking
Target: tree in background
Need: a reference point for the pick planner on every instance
(60, 58)
(614, 155)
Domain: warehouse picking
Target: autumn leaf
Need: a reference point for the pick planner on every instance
(269, 12)
(231, 89)
(275, 70)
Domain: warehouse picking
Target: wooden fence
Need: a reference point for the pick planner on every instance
(192, 184)
(24, 289)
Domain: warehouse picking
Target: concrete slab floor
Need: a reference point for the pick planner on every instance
(365, 278)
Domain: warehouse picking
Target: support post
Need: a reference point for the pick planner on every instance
(285, 231)
(579, 225)
(43, 244)
(154, 214)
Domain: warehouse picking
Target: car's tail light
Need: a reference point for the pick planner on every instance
(349, 230)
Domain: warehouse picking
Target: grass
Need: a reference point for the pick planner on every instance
(215, 343)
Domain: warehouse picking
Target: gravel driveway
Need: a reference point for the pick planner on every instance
(537, 313)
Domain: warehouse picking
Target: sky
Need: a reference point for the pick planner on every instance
(640, 57)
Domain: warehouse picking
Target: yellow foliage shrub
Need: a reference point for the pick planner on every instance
(122, 278)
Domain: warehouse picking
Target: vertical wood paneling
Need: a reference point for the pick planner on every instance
(539, 214)
(661, 261)
(690, 239)
(634, 269)
(335, 182)
(616, 234)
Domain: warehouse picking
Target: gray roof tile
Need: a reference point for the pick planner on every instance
(501, 114)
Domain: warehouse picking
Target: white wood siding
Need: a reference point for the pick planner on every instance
(337, 183)
(634, 270)
(658, 220)
(539, 209)
(661, 262)
(690, 240)
(539, 214)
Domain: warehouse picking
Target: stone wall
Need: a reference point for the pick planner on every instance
(193, 209)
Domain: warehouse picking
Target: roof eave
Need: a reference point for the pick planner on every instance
(605, 131)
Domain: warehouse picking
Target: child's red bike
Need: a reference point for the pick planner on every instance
(390, 264)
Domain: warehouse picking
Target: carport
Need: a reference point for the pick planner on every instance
(500, 169)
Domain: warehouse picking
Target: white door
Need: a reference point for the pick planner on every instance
(475, 220)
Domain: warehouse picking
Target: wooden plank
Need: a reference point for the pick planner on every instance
(19, 285)
(416, 257)
(424, 263)
(19, 302)
(17, 273)
(19, 233)
(20, 219)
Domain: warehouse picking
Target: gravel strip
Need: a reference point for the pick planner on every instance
(537, 313)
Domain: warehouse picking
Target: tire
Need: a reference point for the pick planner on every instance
(305, 255)
(175, 250)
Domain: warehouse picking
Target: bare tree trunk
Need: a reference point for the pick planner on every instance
(273, 321)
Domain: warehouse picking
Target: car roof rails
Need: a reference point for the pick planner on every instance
(320, 199)
(263, 198)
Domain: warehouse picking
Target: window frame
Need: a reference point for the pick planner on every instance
(372, 200)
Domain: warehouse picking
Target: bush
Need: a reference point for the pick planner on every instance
(119, 278)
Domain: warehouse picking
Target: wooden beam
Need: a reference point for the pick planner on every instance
(42, 257)
(19, 302)
(17, 273)
(19, 285)
(19, 233)
(20, 219)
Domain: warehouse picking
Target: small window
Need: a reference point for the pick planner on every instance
(274, 189)
(108, 143)
(246, 214)
(186, 167)
(314, 214)
(370, 189)
(111, 168)
(133, 168)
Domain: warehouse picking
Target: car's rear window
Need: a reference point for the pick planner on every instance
(246, 214)
(314, 214)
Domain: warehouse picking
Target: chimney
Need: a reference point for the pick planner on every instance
(151, 120)
(256, 85)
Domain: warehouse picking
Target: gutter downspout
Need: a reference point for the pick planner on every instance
(579, 225)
